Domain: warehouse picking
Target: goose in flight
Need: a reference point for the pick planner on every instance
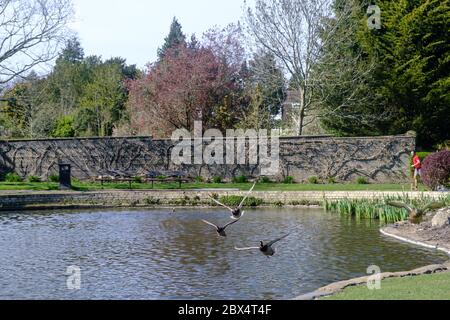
(266, 248)
(416, 213)
(236, 213)
(220, 230)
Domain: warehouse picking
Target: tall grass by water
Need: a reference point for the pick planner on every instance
(378, 209)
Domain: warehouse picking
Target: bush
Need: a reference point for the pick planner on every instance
(217, 179)
(152, 201)
(13, 177)
(234, 201)
(265, 180)
(279, 204)
(53, 178)
(199, 179)
(64, 128)
(331, 180)
(34, 179)
(240, 179)
(137, 179)
(289, 180)
(362, 180)
(313, 180)
(436, 170)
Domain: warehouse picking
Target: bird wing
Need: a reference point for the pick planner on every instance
(434, 206)
(248, 194)
(245, 249)
(220, 203)
(400, 205)
(230, 223)
(211, 224)
(275, 241)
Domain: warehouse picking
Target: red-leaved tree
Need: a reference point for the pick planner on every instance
(194, 82)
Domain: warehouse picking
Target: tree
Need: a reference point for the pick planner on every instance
(64, 128)
(23, 108)
(175, 38)
(408, 85)
(195, 81)
(267, 80)
(296, 32)
(105, 97)
(348, 105)
(174, 93)
(414, 67)
(31, 32)
(85, 90)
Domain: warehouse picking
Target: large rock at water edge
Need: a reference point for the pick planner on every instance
(441, 219)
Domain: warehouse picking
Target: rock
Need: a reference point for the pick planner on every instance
(441, 219)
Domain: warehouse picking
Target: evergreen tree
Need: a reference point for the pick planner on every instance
(410, 83)
(175, 38)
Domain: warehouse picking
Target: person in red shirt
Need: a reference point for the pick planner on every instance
(417, 165)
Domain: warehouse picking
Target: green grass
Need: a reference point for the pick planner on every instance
(242, 186)
(426, 287)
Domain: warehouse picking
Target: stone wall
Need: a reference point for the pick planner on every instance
(378, 159)
(40, 200)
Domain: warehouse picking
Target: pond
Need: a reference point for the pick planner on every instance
(157, 254)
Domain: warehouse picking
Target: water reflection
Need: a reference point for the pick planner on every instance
(163, 255)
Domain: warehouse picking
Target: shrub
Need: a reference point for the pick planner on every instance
(217, 179)
(279, 204)
(240, 179)
(234, 201)
(199, 179)
(331, 180)
(313, 180)
(289, 180)
(137, 179)
(162, 178)
(33, 179)
(265, 180)
(436, 170)
(362, 180)
(215, 196)
(13, 177)
(53, 178)
(152, 201)
(64, 127)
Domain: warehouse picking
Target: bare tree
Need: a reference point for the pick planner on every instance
(296, 32)
(31, 32)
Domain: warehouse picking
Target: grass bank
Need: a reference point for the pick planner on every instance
(80, 186)
(426, 287)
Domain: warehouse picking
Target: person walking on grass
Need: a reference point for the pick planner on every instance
(417, 165)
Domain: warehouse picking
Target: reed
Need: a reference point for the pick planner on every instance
(377, 209)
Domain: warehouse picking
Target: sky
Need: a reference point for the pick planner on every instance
(135, 29)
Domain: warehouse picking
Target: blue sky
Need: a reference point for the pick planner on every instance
(134, 29)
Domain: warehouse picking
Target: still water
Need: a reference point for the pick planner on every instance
(156, 254)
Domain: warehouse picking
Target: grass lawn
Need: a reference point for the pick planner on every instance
(427, 287)
(242, 186)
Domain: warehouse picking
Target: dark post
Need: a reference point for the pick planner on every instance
(65, 181)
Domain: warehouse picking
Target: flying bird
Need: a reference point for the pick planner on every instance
(415, 213)
(236, 213)
(220, 230)
(266, 248)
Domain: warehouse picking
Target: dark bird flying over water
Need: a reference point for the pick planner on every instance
(266, 248)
